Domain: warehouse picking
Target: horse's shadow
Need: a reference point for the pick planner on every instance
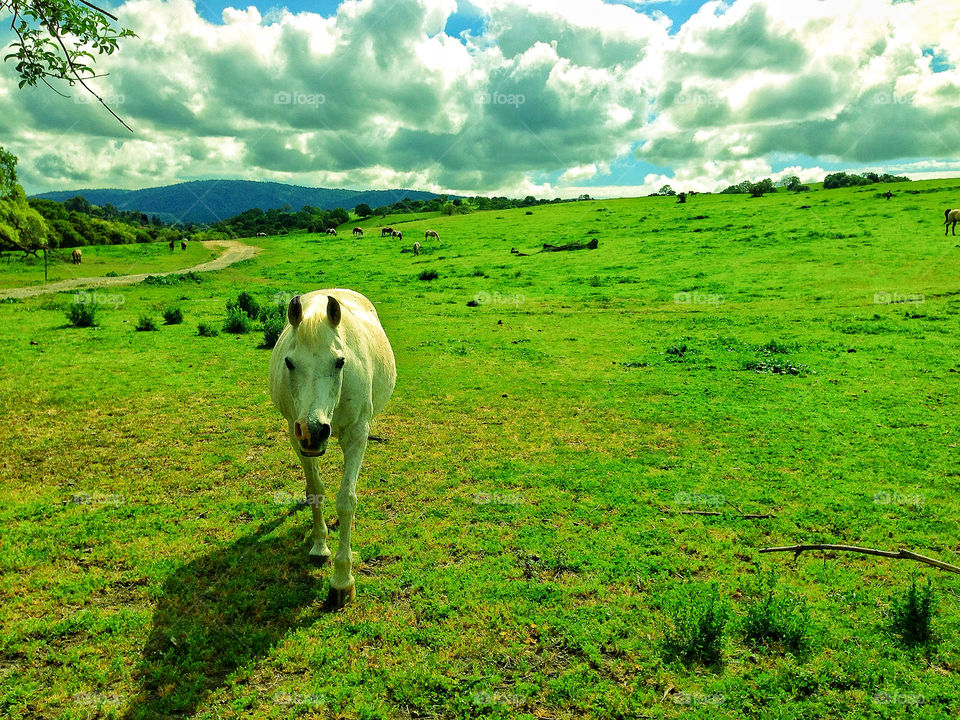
(219, 613)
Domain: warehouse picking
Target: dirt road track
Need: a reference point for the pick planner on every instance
(236, 251)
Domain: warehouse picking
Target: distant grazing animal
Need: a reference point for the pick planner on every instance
(431, 234)
(183, 244)
(331, 231)
(332, 370)
(358, 231)
(259, 234)
(416, 248)
(888, 194)
(386, 231)
(77, 256)
(171, 245)
(953, 216)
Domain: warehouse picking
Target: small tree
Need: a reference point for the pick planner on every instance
(666, 190)
(363, 210)
(758, 189)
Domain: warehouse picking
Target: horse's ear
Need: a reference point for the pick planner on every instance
(295, 311)
(333, 311)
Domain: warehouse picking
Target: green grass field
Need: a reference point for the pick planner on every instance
(522, 536)
(16, 270)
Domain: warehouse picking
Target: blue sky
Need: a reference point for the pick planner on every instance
(518, 97)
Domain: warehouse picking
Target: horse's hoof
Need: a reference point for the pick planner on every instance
(338, 599)
(318, 560)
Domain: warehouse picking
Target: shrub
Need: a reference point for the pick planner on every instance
(911, 615)
(696, 625)
(82, 314)
(237, 322)
(173, 316)
(273, 323)
(247, 303)
(429, 275)
(206, 330)
(145, 323)
(773, 617)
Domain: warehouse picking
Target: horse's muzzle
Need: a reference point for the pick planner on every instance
(312, 437)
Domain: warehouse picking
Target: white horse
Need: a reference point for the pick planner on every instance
(331, 372)
(416, 248)
(953, 216)
(430, 234)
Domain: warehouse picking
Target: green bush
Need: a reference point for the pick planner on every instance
(237, 322)
(206, 330)
(173, 316)
(911, 615)
(82, 314)
(145, 323)
(776, 617)
(696, 625)
(247, 303)
(429, 275)
(274, 320)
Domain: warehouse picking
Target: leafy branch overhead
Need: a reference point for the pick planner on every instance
(59, 40)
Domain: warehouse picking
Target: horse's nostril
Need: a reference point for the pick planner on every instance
(324, 432)
(298, 431)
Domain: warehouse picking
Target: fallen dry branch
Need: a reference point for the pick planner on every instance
(900, 554)
(592, 245)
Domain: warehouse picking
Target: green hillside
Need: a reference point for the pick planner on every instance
(532, 533)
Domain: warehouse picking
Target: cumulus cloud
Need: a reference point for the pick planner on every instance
(378, 95)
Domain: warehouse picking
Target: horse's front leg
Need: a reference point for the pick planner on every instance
(319, 553)
(354, 444)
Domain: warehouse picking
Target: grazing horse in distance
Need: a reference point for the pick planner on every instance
(431, 234)
(332, 231)
(416, 248)
(358, 231)
(398, 235)
(183, 244)
(77, 256)
(953, 216)
(331, 371)
(386, 231)
(171, 246)
(259, 234)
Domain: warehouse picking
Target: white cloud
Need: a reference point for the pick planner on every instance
(377, 95)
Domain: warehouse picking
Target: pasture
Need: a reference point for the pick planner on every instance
(521, 530)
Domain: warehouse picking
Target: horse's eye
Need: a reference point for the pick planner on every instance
(289, 364)
(338, 364)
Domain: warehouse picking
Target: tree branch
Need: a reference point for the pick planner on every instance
(900, 554)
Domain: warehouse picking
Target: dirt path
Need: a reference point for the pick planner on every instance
(236, 251)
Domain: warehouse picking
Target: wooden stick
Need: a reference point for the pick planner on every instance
(900, 554)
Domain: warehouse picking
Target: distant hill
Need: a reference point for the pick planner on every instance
(207, 201)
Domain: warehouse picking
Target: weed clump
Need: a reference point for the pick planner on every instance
(697, 622)
(776, 617)
(911, 615)
(173, 316)
(82, 314)
(145, 323)
(207, 330)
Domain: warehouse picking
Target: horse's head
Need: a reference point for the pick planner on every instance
(314, 370)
